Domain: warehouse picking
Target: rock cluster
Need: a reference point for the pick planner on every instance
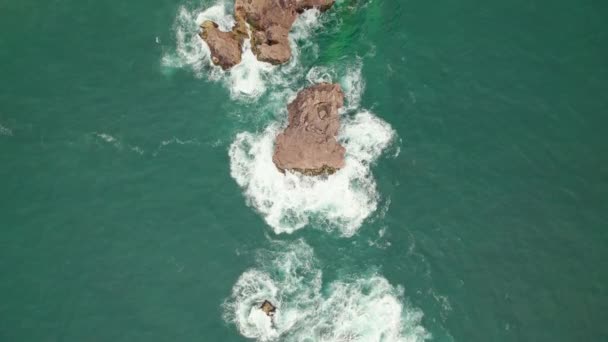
(308, 145)
(269, 21)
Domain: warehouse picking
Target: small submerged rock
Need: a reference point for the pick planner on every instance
(269, 21)
(268, 308)
(308, 145)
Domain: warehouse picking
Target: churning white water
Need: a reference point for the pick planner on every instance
(290, 201)
(362, 309)
(339, 202)
(250, 78)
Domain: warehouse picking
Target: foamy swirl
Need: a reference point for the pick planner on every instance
(360, 309)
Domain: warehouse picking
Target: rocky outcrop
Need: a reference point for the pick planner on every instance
(308, 145)
(269, 21)
(225, 47)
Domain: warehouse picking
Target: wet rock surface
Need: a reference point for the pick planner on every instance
(308, 145)
(269, 22)
(268, 308)
(225, 47)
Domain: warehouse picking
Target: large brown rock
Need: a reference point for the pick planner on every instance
(272, 45)
(269, 21)
(308, 145)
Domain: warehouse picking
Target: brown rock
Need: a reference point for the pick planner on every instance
(273, 19)
(262, 14)
(240, 25)
(268, 308)
(225, 47)
(308, 145)
(272, 45)
(270, 21)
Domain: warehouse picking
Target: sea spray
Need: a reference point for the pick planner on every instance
(365, 308)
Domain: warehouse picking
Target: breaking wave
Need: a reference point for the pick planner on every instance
(360, 309)
(250, 78)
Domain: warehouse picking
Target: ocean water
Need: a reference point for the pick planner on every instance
(139, 201)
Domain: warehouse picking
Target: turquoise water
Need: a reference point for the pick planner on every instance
(125, 215)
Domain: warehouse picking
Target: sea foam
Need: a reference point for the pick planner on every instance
(291, 201)
(362, 309)
(250, 78)
(5, 131)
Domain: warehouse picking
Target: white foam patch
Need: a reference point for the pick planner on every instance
(177, 141)
(290, 201)
(367, 309)
(353, 85)
(350, 79)
(189, 50)
(250, 78)
(288, 279)
(321, 74)
(364, 309)
(118, 144)
(108, 139)
(305, 24)
(5, 131)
